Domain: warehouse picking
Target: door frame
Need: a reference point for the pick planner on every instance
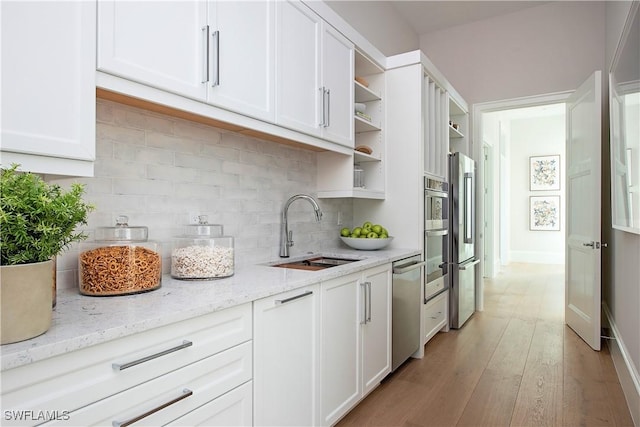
(478, 154)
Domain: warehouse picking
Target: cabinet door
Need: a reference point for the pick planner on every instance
(48, 84)
(298, 90)
(376, 332)
(285, 358)
(242, 57)
(337, 80)
(340, 346)
(158, 43)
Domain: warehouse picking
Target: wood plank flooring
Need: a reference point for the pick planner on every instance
(514, 364)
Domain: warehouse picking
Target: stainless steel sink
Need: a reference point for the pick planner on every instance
(315, 263)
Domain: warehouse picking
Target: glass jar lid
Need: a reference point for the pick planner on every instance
(203, 228)
(122, 232)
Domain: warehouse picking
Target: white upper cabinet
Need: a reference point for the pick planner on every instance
(299, 95)
(241, 57)
(217, 52)
(157, 43)
(48, 86)
(314, 75)
(337, 81)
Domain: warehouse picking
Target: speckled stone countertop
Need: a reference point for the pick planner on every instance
(81, 321)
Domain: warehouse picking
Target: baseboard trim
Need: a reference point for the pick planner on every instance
(627, 373)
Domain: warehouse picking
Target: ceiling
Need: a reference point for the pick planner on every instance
(426, 16)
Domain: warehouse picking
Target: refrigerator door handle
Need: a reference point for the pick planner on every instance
(468, 208)
(469, 264)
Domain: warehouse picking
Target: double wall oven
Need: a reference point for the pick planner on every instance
(436, 237)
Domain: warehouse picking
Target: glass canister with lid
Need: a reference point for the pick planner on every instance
(202, 252)
(120, 261)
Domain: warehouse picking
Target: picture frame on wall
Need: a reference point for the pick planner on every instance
(544, 213)
(544, 173)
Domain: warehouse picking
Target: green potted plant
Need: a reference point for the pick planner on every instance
(37, 221)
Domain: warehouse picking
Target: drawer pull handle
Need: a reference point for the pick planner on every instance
(286, 300)
(123, 366)
(185, 393)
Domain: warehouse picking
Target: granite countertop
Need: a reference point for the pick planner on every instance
(82, 321)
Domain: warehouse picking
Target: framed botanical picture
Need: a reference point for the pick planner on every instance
(544, 213)
(544, 173)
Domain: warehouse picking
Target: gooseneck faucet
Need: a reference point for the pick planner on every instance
(287, 236)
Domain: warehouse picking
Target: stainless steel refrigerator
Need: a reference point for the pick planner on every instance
(462, 289)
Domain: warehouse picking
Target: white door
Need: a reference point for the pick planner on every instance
(340, 367)
(376, 329)
(48, 82)
(337, 80)
(298, 91)
(158, 43)
(241, 57)
(582, 275)
(285, 342)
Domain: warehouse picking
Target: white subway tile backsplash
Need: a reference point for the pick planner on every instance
(158, 170)
(111, 132)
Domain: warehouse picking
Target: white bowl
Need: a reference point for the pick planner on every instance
(366, 244)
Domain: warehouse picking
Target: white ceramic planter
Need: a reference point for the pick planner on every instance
(25, 300)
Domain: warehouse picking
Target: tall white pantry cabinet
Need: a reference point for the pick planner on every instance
(421, 108)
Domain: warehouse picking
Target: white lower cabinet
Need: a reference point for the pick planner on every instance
(170, 396)
(285, 343)
(189, 363)
(355, 339)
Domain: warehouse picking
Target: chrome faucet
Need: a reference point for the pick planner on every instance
(287, 236)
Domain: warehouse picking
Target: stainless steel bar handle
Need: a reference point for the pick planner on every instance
(364, 303)
(185, 393)
(469, 264)
(286, 300)
(468, 208)
(216, 69)
(205, 46)
(368, 287)
(435, 193)
(123, 366)
(401, 269)
(328, 105)
(434, 233)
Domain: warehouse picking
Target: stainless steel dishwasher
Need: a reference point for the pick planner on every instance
(406, 308)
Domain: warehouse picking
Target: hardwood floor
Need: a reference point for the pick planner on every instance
(514, 364)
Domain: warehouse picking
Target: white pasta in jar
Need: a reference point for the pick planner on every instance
(202, 262)
(202, 252)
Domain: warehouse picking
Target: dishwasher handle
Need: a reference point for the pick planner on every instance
(404, 268)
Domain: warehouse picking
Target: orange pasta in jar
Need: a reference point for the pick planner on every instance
(121, 261)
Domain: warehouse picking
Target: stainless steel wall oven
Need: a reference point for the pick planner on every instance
(436, 237)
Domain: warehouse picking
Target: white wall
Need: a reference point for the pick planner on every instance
(548, 48)
(621, 269)
(380, 23)
(157, 169)
(534, 136)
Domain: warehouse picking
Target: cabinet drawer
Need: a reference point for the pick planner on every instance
(435, 315)
(188, 388)
(231, 409)
(73, 380)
